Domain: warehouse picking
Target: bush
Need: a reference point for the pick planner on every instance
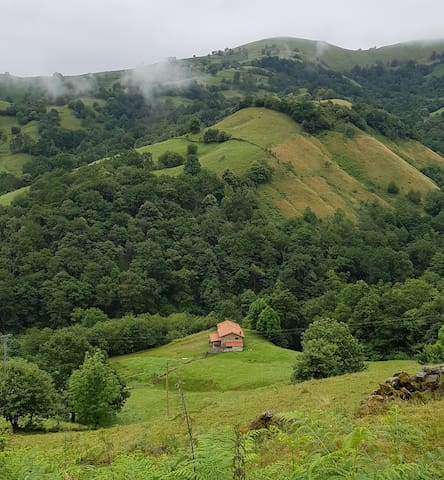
(213, 135)
(191, 149)
(25, 391)
(392, 188)
(414, 196)
(170, 159)
(95, 391)
(192, 165)
(260, 172)
(329, 349)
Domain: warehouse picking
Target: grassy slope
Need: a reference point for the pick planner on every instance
(7, 198)
(221, 391)
(9, 162)
(326, 172)
(67, 118)
(343, 59)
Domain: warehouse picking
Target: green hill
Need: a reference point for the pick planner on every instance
(339, 58)
(326, 172)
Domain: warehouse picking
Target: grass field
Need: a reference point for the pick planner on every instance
(67, 118)
(13, 163)
(221, 391)
(7, 198)
(440, 111)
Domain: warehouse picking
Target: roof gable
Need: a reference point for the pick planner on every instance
(227, 327)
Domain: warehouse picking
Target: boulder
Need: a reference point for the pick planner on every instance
(405, 387)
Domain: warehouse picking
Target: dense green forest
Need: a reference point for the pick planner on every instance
(115, 237)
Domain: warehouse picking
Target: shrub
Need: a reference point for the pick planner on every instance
(213, 135)
(392, 188)
(191, 149)
(329, 349)
(25, 391)
(170, 159)
(95, 391)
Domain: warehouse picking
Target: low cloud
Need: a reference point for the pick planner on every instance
(57, 85)
(170, 73)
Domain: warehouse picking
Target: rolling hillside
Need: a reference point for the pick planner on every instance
(221, 391)
(339, 58)
(327, 172)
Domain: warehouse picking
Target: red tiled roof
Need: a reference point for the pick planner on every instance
(227, 327)
(238, 343)
(214, 337)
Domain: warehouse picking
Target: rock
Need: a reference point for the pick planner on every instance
(264, 420)
(403, 386)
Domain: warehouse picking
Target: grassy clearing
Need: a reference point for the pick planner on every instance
(90, 101)
(67, 118)
(13, 163)
(415, 153)
(235, 155)
(438, 71)
(260, 126)
(374, 164)
(7, 198)
(221, 391)
(440, 111)
(339, 101)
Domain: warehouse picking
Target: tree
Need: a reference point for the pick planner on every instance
(192, 149)
(192, 165)
(95, 391)
(214, 135)
(63, 352)
(260, 172)
(25, 391)
(194, 126)
(256, 308)
(329, 349)
(170, 159)
(269, 325)
(392, 188)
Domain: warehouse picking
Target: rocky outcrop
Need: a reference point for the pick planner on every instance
(403, 386)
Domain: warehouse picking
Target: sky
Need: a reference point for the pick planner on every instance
(40, 37)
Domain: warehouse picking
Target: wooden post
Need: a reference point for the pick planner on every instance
(167, 385)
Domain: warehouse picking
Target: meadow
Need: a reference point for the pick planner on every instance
(226, 392)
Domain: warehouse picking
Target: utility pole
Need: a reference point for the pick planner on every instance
(167, 386)
(5, 345)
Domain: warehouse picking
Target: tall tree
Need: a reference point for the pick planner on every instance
(95, 391)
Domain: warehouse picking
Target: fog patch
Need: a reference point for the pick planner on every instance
(168, 74)
(57, 85)
(321, 48)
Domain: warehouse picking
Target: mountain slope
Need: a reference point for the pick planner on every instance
(339, 58)
(324, 172)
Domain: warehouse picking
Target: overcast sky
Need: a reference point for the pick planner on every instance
(80, 36)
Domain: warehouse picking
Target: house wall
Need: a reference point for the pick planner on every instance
(233, 349)
(231, 338)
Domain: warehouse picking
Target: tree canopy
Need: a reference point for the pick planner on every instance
(95, 391)
(328, 349)
(26, 392)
